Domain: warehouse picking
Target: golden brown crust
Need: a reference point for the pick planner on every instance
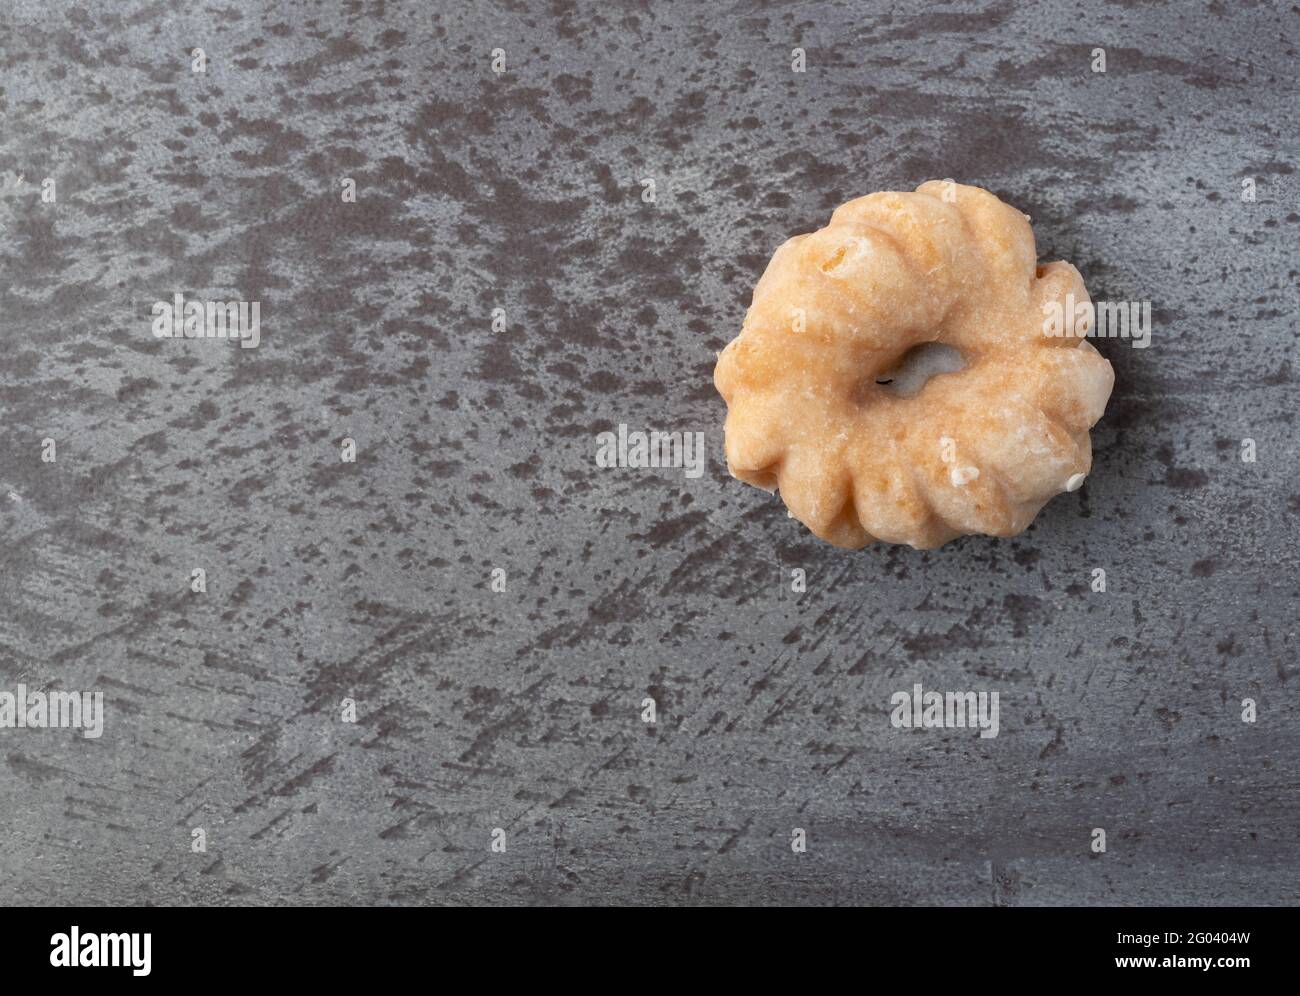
(977, 451)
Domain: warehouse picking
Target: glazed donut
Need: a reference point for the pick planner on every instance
(976, 450)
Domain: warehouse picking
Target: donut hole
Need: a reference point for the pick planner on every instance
(915, 368)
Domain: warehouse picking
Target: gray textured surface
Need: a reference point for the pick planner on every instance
(476, 451)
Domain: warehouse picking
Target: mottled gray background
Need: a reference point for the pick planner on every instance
(476, 451)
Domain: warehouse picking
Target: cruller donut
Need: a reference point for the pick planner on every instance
(979, 450)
